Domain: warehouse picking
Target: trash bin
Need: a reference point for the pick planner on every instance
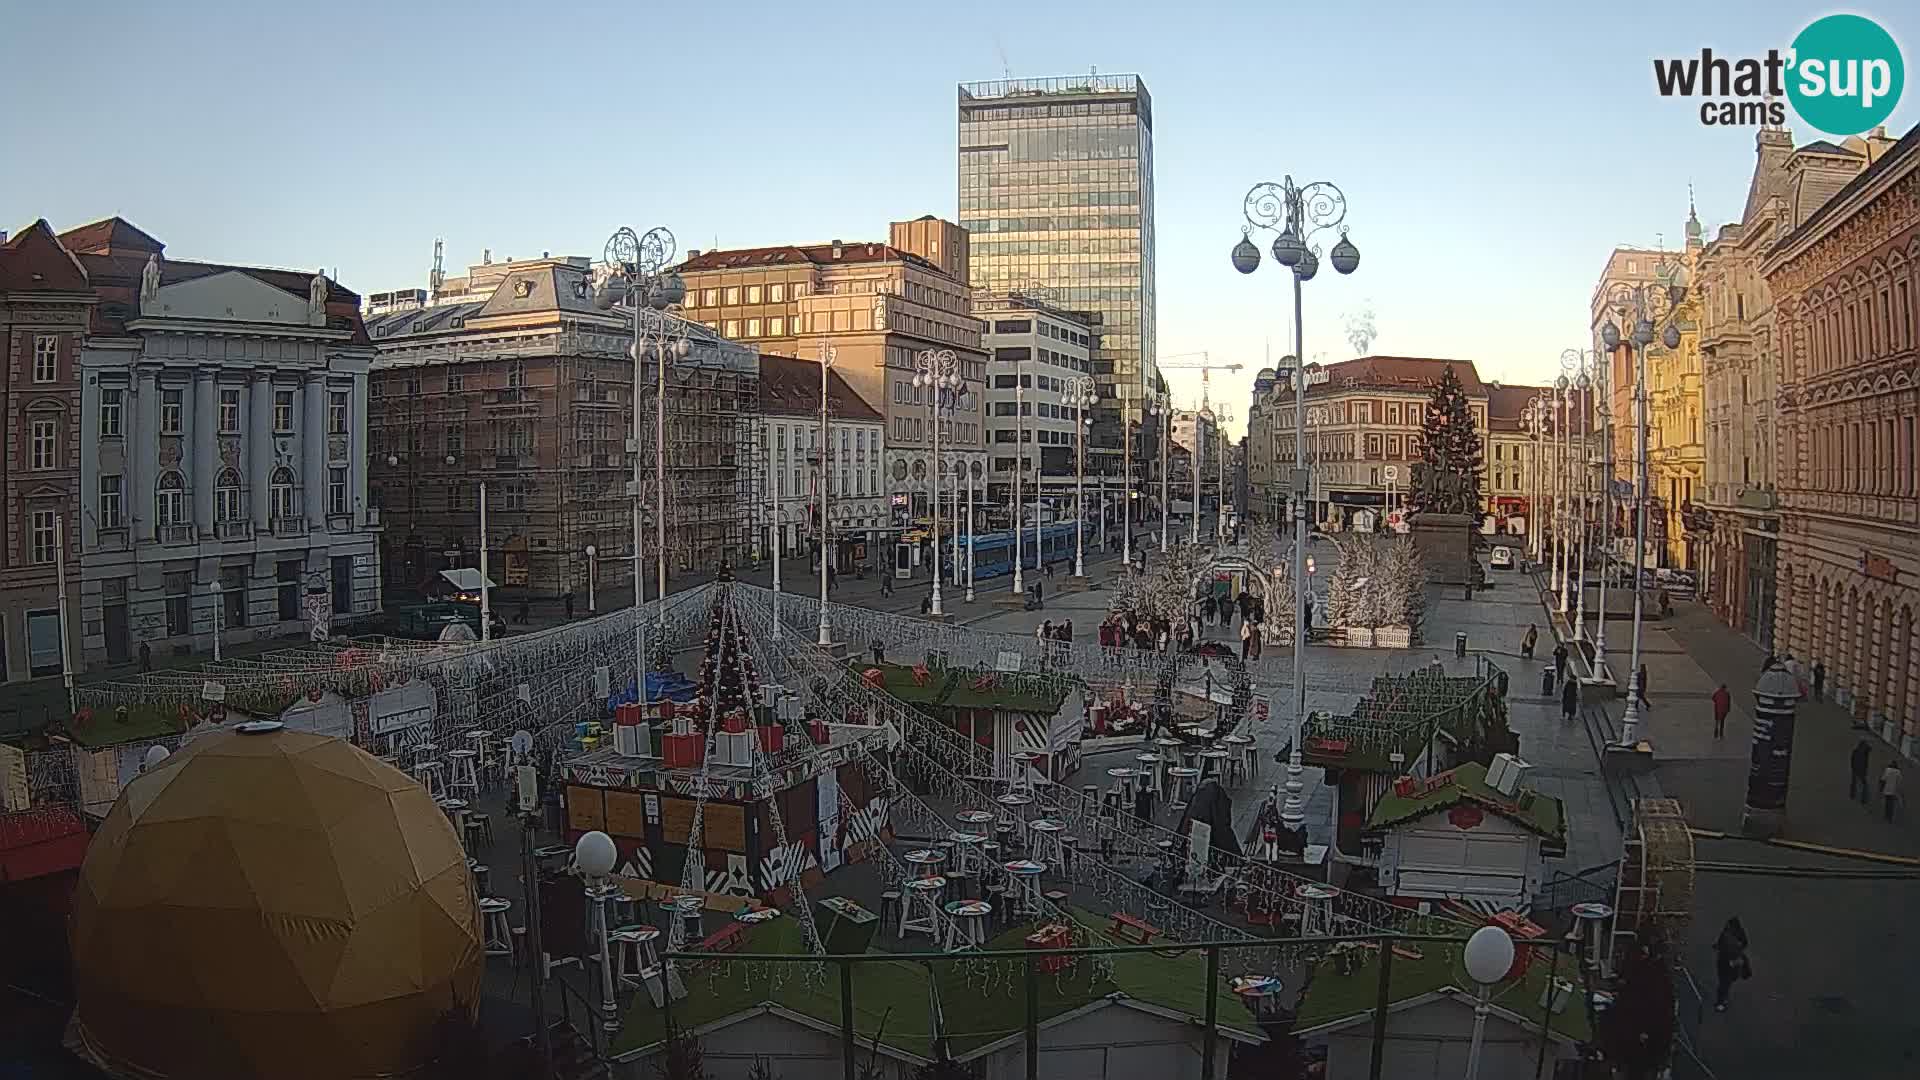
(1548, 676)
(1460, 644)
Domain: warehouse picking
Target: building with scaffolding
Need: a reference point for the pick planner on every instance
(513, 378)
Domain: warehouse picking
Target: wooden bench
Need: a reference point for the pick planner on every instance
(726, 939)
(1131, 930)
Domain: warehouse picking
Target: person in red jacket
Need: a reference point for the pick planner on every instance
(1722, 703)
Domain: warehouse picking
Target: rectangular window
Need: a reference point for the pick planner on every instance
(110, 413)
(286, 576)
(110, 495)
(282, 411)
(179, 600)
(753, 294)
(40, 542)
(732, 330)
(337, 412)
(233, 596)
(342, 567)
(733, 296)
(753, 327)
(776, 327)
(46, 358)
(229, 412)
(456, 381)
(43, 643)
(337, 492)
(170, 404)
(710, 297)
(45, 444)
(777, 293)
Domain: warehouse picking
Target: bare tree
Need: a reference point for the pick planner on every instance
(1361, 329)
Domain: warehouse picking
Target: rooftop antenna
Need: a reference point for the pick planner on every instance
(1006, 68)
(437, 277)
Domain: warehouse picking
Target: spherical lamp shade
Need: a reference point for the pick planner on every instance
(1346, 257)
(1246, 257)
(155, 755)
(594, 853)
(1643, 333)
(604, 298)
(1308, 266)
(1560, 383)
(1609, 334)
(1671, 338)
(1489, 955)
(673, 288)
(1288, 249)
(276, 904)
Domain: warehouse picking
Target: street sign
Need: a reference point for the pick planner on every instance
(1392, 473)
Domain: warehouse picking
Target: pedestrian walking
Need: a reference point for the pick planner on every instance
(1890, 787)
(1246, 639)
(886, 585)
(1569, 699)
(1560, 661)
(879, 651)
(1309, 613)
(520, 612)
(567, 602)
(1640, 686)
(1044, 633)
(1527, 643)
(926, 604)
(1730, 961)
(1722, 704)
(1819, 680)
(1860, 763)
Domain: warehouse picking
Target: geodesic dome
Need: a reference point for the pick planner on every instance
(272, 903)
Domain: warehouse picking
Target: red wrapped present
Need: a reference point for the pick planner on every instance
(682, 751)
(627, 715)
(773, 739)
(817, 731)
(734, 723)
(666, 708)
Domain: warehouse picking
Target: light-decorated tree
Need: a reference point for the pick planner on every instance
(1402, 585)
(1447, 476)
(1377, 583)
(1165, 591)
(1272, 552)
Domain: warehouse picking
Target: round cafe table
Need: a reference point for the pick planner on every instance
(1213, 761)
(974, 817)
(967, 924)
(1315, 918)
(926, 859)
(755, 916)
(1024, 876)
(1261, 993)
(1125, 774)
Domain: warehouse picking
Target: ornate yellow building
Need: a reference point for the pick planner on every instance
(1676, 450)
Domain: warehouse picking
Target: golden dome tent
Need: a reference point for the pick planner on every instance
(271, 903)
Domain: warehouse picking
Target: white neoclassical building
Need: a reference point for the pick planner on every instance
(225, 463)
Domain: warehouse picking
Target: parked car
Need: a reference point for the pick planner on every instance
(1502, 557)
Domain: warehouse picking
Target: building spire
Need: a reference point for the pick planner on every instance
(1694, 231)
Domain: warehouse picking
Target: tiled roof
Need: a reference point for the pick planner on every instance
(117, 279)
(1890, 160)
(1509, 402)
(1397, 373)
(114, 235)
(797, 255)
(791, 387)
(1822, 146)
(35, 261)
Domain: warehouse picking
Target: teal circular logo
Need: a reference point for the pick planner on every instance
(1845, 75)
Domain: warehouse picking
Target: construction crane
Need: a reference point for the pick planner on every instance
(1205, 366)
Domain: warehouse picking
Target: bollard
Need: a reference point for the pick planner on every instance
(1460, 644)
(1775, 698)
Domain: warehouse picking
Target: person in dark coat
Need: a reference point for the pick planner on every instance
(1722, 704)
(146, 657)
(567, 602)
(1861, 762)
(1730, 963)
(1640, 687)
(1819, 680)
(1569, 699)
(1560, 661)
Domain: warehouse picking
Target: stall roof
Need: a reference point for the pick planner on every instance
(1337, 998)
(466, 579)
(971, 688)
(1467, 785)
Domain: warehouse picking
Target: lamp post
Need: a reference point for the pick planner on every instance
(1601, 387)
(1204, 416)
(1575, 362)
(1081, 397)
(1126, 484)
(939, 372)
(1299, 213)
(1488, 957)
(1020, 468)
(971, 468)
(595, 855)
(217, 600)
(827, 355)
(1221, 417)
(591, 553)
(1163, 407)
(637, 275)
(1530, 423)
(776, 533)
(1641, 337)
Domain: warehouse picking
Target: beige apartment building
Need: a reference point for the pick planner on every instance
(1844, 290)
(878, 306)
(1738, 507)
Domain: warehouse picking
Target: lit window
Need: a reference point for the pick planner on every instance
(733, 295)
(776, 326)
(46, 358)
(711, 297)
(733, 328)
(753, 327)
(753, 294)
(777, 294)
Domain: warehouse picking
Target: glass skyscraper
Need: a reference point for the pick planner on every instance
(1056, 191)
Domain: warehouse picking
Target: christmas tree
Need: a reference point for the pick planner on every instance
(1447, 476)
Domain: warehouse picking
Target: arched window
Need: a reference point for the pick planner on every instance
(285, 496)
(228, 503)
(170, 500)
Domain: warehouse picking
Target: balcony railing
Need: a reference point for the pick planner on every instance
(290, 526)
(233, 530)
(176, 534)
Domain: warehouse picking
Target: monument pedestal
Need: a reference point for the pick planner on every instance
(1445, 543)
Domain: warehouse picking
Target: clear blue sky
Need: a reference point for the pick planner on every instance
(1492, 154)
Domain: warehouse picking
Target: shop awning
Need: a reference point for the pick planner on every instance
(466, 579)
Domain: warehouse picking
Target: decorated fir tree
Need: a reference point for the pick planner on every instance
(1447, 476)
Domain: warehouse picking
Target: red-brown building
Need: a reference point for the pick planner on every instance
(44, 303)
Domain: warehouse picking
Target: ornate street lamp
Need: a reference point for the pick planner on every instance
(1297, 214)
(827, 355)
(939, 374)
(1081, 397)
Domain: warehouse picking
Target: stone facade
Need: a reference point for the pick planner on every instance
(225, 460)
(1844, 290)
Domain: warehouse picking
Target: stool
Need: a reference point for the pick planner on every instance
(474, 830)
(1003, 836)
(1070, 857)
(1023, 888)
(429, 775)
(966, 925)
(1213, 761)
(1190, 756)
(1015, 806)
(958, 885)
(1184, 778)
(1090, 799)
(479, 872)
(1155, 767)
(990, 853)
(889, 906)
(966, 850)
(1057, 898)
(496, 933)
(484, 823)
(463, 780)
(1046, 841)
(921, 915)
(1025, 765)
(423, 751)
(634, 957)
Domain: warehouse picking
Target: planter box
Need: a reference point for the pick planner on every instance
(1393, 637)
(1360, 637)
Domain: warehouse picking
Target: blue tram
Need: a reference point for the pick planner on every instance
(993, 552)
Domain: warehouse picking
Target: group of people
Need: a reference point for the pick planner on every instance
(1122, 630)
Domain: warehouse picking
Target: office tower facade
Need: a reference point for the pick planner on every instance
(1056, 191)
